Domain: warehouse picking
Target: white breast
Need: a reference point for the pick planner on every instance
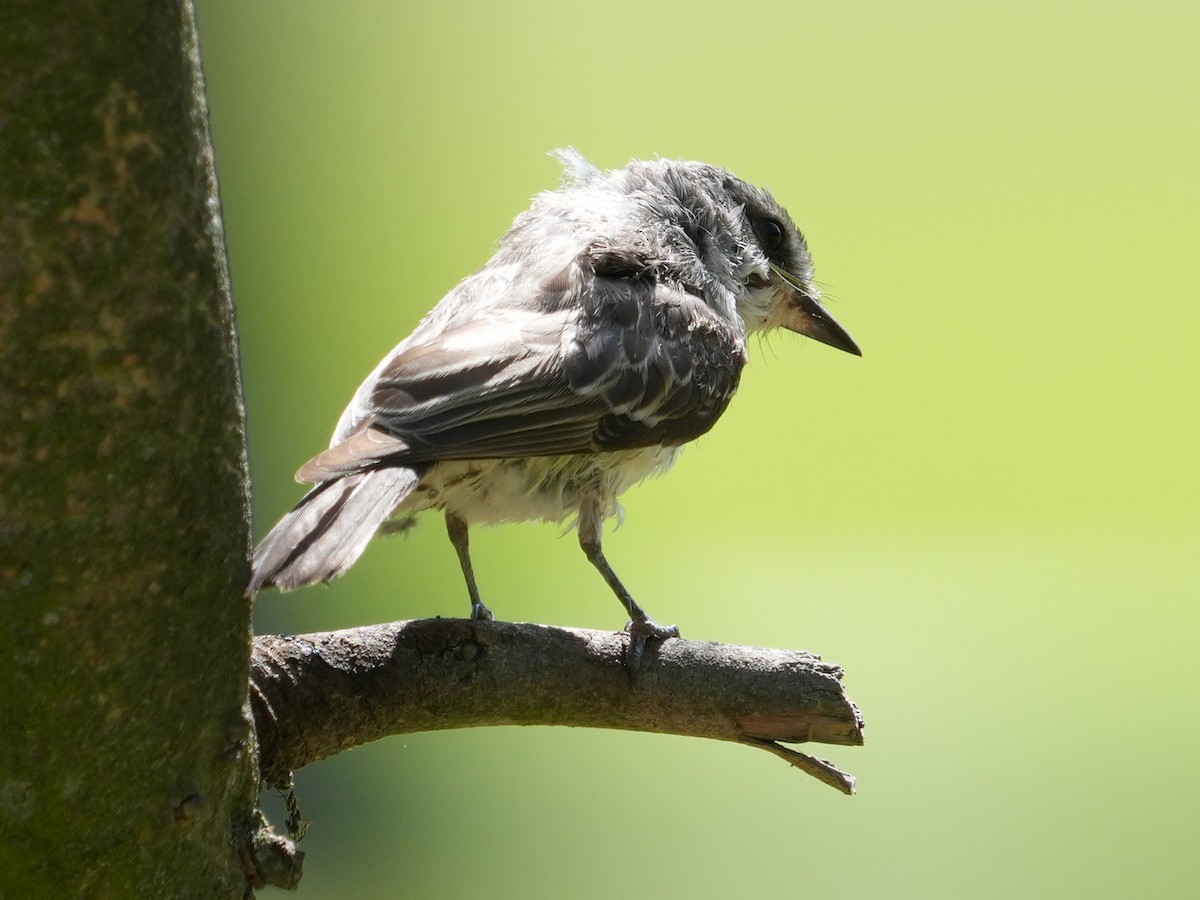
(547, 488)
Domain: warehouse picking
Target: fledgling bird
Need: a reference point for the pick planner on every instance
(607, 331)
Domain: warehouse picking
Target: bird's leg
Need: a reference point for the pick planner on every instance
(640, 625)
(456, 527)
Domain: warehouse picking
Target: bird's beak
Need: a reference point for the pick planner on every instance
(804, 315)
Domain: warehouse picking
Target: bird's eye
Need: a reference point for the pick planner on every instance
(771, 233)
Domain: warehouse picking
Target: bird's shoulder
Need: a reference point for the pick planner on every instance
(650, 342)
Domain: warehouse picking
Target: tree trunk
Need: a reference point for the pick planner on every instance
(126, 756)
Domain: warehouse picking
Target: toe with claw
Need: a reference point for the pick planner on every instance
(641, 630)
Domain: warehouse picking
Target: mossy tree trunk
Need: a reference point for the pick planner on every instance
(126, 757)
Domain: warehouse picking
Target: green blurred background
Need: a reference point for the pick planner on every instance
(990, 520)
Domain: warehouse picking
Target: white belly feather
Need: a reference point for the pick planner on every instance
(546, 488)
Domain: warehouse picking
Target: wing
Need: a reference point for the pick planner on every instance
(597, 362)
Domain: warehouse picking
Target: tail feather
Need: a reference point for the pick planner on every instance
(330, 528)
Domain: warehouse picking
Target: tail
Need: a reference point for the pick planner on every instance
(330, 528)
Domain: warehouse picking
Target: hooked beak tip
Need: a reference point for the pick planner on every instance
(804, 315)
(816, 323)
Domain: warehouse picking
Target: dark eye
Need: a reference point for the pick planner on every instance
(771, 234)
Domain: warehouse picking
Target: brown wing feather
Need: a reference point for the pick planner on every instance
(634, 363)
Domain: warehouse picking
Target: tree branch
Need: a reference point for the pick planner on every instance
(315, 695)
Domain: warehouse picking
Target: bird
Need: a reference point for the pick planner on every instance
(608, 330)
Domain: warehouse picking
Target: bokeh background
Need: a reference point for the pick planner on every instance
(990, 520)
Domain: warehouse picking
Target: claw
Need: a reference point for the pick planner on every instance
(641, 630)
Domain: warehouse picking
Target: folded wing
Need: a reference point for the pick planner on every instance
(625, 362)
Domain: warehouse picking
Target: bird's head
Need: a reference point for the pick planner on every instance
(747, 256)
(775, 271)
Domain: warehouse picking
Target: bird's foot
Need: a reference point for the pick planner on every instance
(480, 613)
(640, 631)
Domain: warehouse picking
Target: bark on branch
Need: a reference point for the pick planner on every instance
(315, 695)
